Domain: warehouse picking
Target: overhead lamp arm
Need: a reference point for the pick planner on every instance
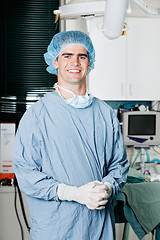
(146, 8)
(114, 18)
(115, 14)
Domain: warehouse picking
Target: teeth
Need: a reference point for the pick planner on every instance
(74, 70)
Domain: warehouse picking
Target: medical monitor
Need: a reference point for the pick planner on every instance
(141, 129)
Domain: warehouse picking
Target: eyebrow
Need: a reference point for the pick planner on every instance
(79, 55)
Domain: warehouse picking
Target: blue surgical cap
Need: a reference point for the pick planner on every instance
(62, 40)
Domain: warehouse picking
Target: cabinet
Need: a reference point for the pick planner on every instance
(108, 80)
(143, 58)
(127, 68)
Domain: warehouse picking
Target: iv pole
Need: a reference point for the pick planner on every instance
(142, 158)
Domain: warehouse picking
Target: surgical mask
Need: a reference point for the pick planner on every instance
(77, 101)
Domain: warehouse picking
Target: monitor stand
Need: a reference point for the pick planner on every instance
(142, 158)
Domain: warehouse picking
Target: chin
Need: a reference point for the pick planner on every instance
(76, 80)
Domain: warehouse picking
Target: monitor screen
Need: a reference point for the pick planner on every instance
(142, 125)
(141, 129)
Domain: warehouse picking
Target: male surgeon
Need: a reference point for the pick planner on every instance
(69, 157)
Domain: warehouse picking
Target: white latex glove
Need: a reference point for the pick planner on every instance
(94, 194)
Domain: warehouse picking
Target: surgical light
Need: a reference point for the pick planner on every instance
(114, 12)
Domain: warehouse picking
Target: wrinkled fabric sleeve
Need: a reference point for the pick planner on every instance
(27, 161)
(118, 165)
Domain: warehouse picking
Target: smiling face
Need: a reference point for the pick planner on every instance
(72, 65)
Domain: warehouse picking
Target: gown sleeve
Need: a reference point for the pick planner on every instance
(27, 161)
(118, 165)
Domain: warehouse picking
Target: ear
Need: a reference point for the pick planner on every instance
(88, 66)
(55, 63)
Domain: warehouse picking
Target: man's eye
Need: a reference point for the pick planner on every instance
(82, 57)
(67, 56)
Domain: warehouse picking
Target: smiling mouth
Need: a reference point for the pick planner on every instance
(74, 71)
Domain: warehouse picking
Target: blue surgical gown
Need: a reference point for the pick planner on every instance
(57, 143)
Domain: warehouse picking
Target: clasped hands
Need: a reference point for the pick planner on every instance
(94, 194)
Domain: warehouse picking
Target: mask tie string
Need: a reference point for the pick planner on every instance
(56, 86)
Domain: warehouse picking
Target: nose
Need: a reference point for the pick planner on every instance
(75, 61)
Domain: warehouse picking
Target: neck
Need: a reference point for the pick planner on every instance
(77, 89)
